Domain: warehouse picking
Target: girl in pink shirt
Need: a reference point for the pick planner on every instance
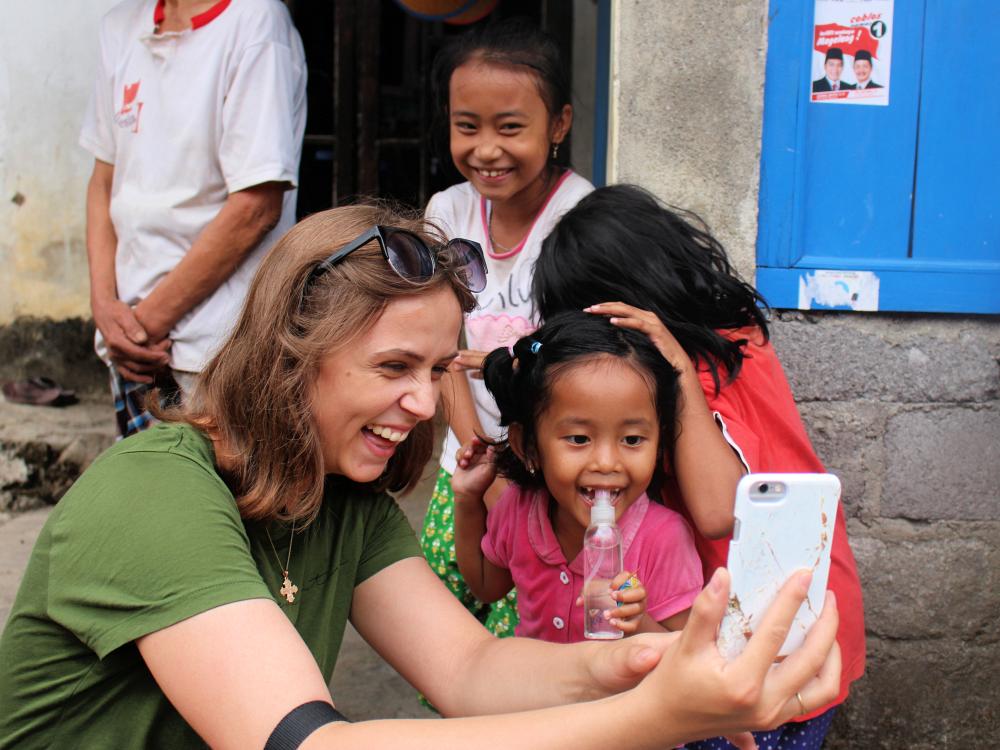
(670, 278)
(586, 406)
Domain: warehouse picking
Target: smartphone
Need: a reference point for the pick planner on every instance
(784, 522)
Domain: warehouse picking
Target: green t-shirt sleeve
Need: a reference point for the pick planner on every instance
(146, 540)
(388, 538)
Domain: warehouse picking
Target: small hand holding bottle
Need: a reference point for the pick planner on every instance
(628, 591)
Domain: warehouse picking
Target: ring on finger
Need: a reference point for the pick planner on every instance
(802, 706)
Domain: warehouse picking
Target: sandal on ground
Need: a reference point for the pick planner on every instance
(38, 391)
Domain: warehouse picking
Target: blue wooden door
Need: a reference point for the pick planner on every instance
(908, 193)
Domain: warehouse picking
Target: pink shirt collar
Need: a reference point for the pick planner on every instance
(543, 539)
(485, 207)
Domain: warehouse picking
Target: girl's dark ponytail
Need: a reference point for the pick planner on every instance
(498, 375)
(515, 382)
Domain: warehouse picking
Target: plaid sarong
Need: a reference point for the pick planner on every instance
(131, 413)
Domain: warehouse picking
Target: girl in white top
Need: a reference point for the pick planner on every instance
(507, 101)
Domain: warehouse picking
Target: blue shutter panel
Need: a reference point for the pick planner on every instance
(909, 192)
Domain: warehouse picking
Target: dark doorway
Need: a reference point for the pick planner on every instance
(371, 129)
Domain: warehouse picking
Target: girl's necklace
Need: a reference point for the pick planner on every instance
(549, 179)
(493, 243)
(288, 589)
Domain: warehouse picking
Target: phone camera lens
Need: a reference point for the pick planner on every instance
(764, 487)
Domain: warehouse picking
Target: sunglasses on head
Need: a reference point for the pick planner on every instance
(412, 259)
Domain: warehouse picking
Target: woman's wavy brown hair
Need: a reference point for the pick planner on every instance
(254, 396)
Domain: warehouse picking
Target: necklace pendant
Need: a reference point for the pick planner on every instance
(288, 589)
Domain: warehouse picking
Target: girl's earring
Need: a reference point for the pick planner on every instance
(555, 151)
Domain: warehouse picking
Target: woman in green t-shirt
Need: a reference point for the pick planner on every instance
(193, 586)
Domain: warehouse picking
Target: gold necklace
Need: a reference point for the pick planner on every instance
(288, 589)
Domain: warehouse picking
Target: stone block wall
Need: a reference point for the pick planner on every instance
(906, 410)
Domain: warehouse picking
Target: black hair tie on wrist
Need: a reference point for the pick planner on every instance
(300, 722)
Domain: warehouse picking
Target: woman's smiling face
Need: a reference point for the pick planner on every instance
(370, 394)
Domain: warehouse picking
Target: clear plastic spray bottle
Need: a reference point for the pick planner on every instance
(602, 562)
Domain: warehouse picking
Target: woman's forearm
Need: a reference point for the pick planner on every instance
(572, 727)
(691, 693)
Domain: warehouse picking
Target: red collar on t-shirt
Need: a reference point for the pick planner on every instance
(196, 21)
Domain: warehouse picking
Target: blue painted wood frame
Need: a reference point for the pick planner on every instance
(909, 191)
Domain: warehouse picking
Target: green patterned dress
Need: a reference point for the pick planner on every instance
(438, 542)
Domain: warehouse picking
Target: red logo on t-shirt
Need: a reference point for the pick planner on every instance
(128, 115)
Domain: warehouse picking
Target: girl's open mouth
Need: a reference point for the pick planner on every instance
(589, 494)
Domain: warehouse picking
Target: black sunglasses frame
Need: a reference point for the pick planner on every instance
(383, 234)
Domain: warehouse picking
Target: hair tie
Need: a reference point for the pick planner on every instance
(514, 364)
(535, 346)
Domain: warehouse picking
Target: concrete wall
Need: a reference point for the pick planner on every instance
(584, 75)
(905, 409)
(47, 63)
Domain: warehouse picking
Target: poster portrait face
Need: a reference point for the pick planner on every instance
(849, 36)
(833, 68)
(862, 71)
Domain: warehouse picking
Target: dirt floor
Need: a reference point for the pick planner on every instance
(364, 686)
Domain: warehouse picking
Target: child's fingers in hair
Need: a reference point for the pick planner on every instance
(651, 326)
(647, 325)
(607, 308)
(650, 329)
(620, 310)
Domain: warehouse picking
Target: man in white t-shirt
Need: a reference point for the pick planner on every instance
(196, 127)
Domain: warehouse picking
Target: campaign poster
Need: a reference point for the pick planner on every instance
(852, 52)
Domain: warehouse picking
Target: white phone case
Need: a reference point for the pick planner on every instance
(784, 522)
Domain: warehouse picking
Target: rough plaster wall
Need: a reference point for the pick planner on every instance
(47, 63)
(688, 86)
(905, 409)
